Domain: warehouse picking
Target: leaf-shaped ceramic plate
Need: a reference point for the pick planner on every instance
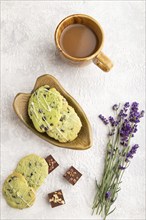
(20, 104)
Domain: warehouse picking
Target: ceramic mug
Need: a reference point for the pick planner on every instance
(98, 57)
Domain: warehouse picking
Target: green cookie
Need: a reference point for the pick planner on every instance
(68, 127)
(17, 192)
(44, 108)
(50, 113)
(34, 169)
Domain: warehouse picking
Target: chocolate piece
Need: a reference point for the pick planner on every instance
(56, 198)
(52, 163)
(72, 175)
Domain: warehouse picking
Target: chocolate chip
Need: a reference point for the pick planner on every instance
(62, 130)
(42, 127)
(46, 128)
(14, 196)
(29, 164)
(31, 174)
(30, 113)
(40, 111)
(44, 95)
(51, 124)
(43, 118)
(62, 118)
(14, 177)
(10, 191)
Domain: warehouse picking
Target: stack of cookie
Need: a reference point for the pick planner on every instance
(51, 113)
(19, 188)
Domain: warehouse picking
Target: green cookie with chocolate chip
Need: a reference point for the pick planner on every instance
(34, 169)
(68, 127)
(51, 113)
(17, 192)
(44, 108)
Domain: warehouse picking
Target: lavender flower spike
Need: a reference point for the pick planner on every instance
(122, 168)
(131, 152)
(125, 132)
(108, 195)
(142, 114)
(103, 119)
(122, 114)
(134, 115)
(126, 105)
(115, 107)
(111, 120)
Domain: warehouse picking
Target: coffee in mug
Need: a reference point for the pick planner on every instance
(78, 40)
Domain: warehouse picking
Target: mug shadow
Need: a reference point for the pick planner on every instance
(57, 60)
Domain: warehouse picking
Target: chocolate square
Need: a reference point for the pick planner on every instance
(56, 198)
(52, 163)
(72, 175)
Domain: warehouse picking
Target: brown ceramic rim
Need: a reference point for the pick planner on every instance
(76, 58)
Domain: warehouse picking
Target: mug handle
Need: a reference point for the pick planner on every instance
(103, 62)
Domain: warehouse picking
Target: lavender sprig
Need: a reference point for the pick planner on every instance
(118, 155)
